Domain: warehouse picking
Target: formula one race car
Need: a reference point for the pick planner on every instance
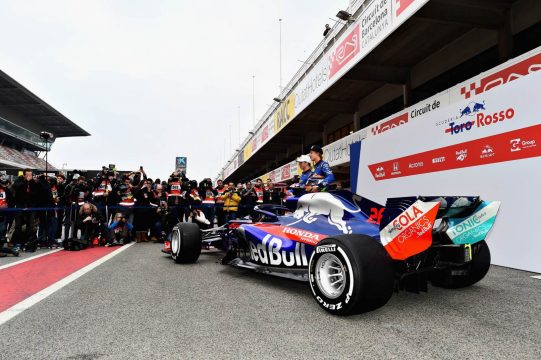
(354, 252)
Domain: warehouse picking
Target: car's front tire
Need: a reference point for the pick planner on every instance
(186, 243)
(350, 274)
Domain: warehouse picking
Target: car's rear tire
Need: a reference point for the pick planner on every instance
(186, 243)
(367, 277)
(469, 274)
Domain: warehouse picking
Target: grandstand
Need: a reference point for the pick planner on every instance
(384, 58)
(23, 116)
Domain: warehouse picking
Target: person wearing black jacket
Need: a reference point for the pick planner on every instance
(59, 201)
(91, 224)
(103, 192)
(6, 201)
(208, 195)
(143, 213)
(47, 220)
(25, 191)
(249, 200)
(272, 195)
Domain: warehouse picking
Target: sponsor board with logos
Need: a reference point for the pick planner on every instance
(487, 145)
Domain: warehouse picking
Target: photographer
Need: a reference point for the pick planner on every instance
(25, 191)
(143, 213)
(6, 201)
(177, 202)
(103, 198)
(209, 200)
(231, 202)
(47, 218)
(160, 219)
(219, 190)
(91, 223)
(125, 198)
(249, 200)
(120, 231)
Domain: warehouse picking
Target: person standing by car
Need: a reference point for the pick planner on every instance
(231, 202)
(273, 195)
(322, 169)
(259, 191)
(305, 164)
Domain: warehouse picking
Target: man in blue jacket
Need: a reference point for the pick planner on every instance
(322, 169)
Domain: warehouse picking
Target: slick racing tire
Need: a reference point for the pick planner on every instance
(186, 243)
(467, 274)
(350, 274)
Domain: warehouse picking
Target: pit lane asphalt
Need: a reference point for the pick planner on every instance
(141, 305)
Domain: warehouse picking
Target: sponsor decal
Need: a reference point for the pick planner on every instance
(410, 232)
(487, 152)
(416, 165)
(390, 124)
(474, 228)
(482, 119)
(284, 113)
(438, 160)
(519, 144)
(305, 235)
(402, 5)
(324, 204)
(375, 21)
(269, 252)
(461, 155)
(345, 51)
(325, 249)
(509, 146)
(513, 72)
(425, 109)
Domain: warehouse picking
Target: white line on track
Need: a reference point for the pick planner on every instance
(29, 258)
(16, 309)
(537, 277)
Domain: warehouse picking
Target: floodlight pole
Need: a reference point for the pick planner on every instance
(280, 21)
(253, 98)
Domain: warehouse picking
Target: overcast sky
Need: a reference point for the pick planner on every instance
(151, 80)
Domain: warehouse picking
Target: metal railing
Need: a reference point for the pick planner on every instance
(20, 133)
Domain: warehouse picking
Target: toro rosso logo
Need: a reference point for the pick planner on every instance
(482, 119)
(311, 205)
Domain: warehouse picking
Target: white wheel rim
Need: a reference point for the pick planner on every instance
(330, 276)
(175, 242)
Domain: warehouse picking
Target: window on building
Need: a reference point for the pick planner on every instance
(339, 133)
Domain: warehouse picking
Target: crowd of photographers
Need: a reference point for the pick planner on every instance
(113, 210)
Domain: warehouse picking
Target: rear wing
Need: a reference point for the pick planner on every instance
(410, 225)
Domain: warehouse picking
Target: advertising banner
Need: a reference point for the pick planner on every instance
(181, 164)
(487, 144)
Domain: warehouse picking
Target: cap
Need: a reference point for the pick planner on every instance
(316, 148)
(76, 176)
(304, 158)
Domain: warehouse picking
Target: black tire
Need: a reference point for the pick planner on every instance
(367, 269)
(470, 273)
(186, 243)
